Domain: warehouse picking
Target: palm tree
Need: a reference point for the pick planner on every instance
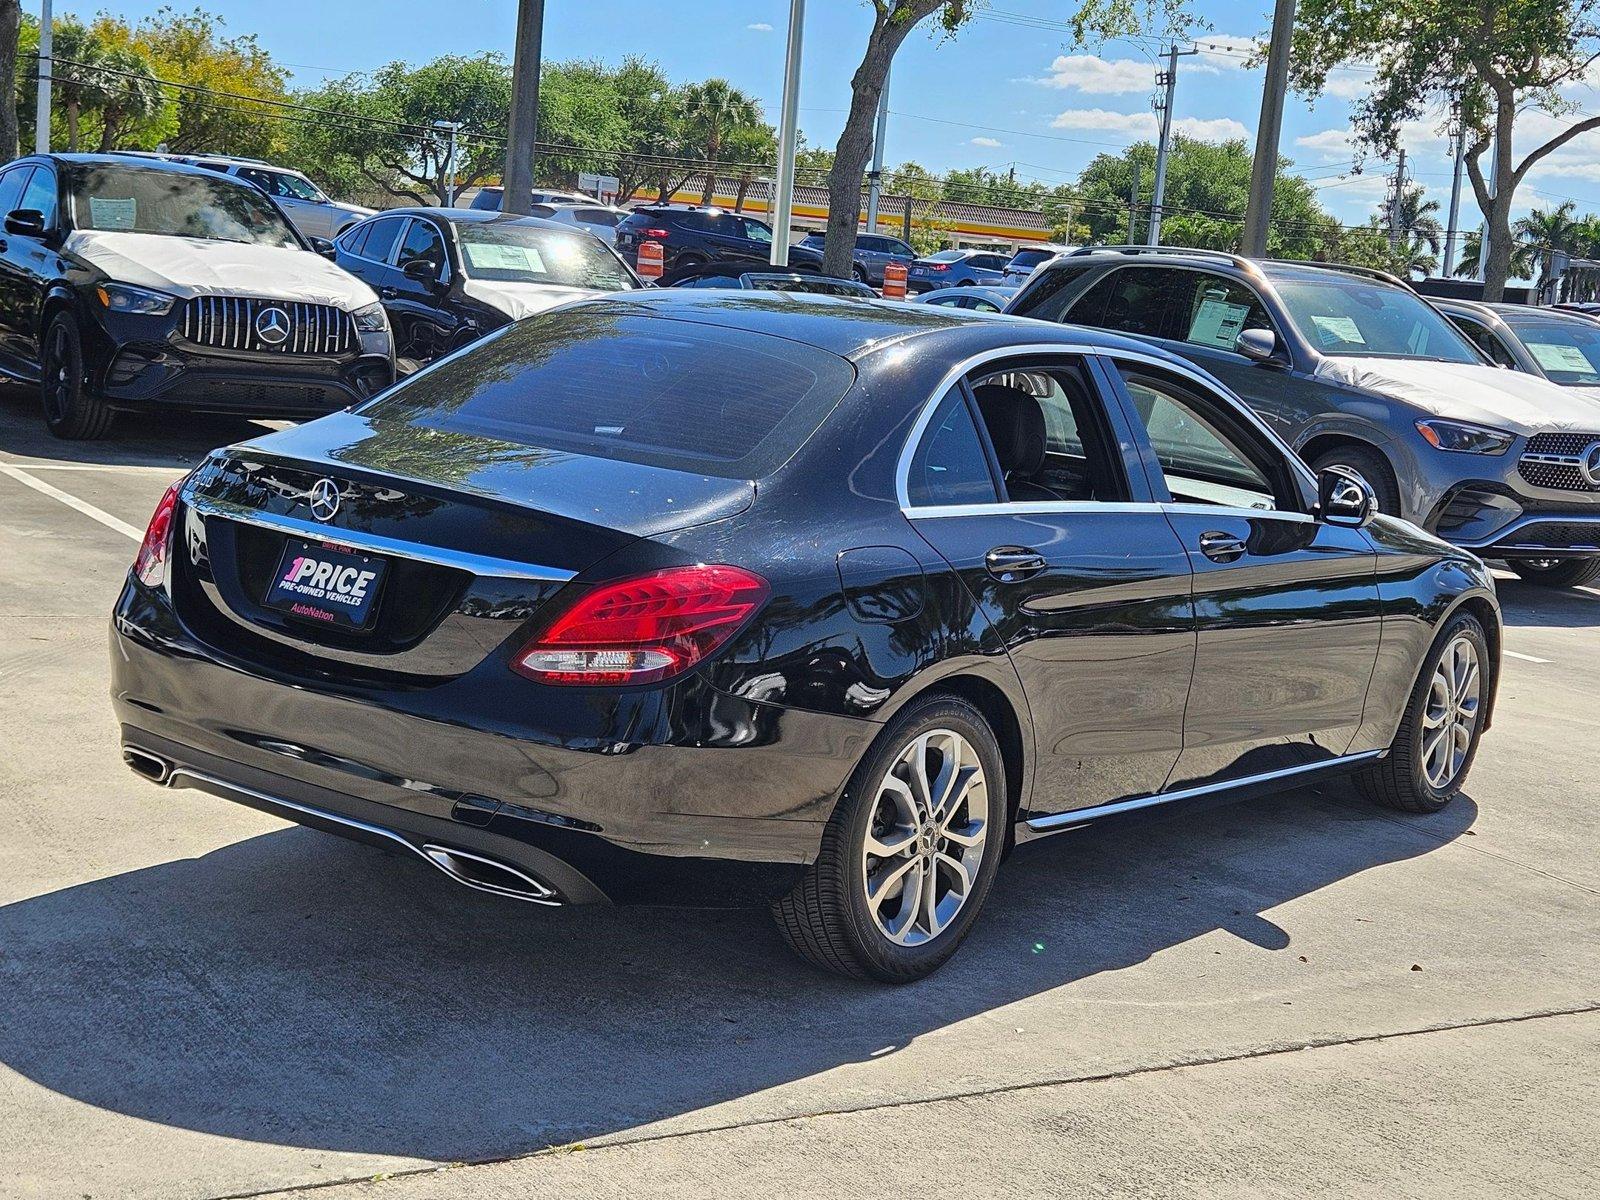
(129, 98)
(1414, 257)
(1548, 233)
(1522, 257)
(76, 60)
(711, 111)
(1417, 219)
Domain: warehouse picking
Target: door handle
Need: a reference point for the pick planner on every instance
(1221, 547)
(1009, 564)
(388, 293)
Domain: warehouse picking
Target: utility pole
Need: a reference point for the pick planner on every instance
(1264, 168)
(450, 128)
(1169, 80)
(41, 128)
(1396, 199)
(1133, 202)
(516, 194)
(875, 177)
(1482, 275)
(1452, 229)
(788, 116)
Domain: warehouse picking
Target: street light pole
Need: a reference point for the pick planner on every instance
(875, 179)
(41, 127)
(516, 193)
(788, 116)
(449, 128)
(1168, 78)
(1452, 230)
(1264, 168)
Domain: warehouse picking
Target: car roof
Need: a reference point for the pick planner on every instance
(133, 162)
(1540, 313)
(472, 216)
(853, 327)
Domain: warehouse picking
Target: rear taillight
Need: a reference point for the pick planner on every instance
(150, 564)
(657, 235)
(645, 629)
(937, 267)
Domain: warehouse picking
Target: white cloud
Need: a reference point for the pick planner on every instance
(1101, 120)
(1348, 85)
(759, 27)
(1143, 125)
(987, 142)
(1091, 74)
(1330, 145)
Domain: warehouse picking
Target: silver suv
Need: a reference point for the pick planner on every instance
(306, 205)
(1355, 369)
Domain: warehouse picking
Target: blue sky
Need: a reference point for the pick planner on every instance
(1008, 91)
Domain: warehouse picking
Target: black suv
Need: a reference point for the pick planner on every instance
(1356, 370)
(135, 284)
(692, 237)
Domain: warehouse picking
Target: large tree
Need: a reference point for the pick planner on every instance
(10, 29)
(1498, 58)
(892, 20)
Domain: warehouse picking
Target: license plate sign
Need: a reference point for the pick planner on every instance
(327, 584)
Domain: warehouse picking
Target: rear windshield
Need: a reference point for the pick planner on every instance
(1030, 258)
(594, 381)
(947, 256)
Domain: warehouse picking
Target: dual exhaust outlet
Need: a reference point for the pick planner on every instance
(468, 868)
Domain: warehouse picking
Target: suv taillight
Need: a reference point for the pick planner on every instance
(150, 564)
(645, 629)
(657, 234)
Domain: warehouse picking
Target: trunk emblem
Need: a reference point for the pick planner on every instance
(272, 326)
(324, 498)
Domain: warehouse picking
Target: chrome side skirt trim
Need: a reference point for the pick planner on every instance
(544, 895)
(1056, 822)
(476, 564)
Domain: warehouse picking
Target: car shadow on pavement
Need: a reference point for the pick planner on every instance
(177, 439)
(1527, 605)
(299, 990)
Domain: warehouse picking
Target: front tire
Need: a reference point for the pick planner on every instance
(910, 853)
(71, 410)
(1558, 572)
(1438, 737)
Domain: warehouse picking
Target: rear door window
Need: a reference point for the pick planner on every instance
(649, 390)
(380, 242)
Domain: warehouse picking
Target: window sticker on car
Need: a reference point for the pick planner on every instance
(1217, 323)
(1560, 358)
(1338, 329)
(498, 256)
(108, 213)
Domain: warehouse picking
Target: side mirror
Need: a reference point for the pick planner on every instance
(25, 222)
(422, 270)
(1344, 498)
(1258, 345)
(324, 247)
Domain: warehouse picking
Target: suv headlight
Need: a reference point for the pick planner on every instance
(1464, 438)
(124, 298)
(371, 319)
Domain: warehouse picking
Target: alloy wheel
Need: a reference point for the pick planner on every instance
(57, 375)
(926, 839)
(1450, 716)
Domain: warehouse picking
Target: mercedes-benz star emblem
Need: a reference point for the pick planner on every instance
(324, 497)
(272, 326)
(1589, 465)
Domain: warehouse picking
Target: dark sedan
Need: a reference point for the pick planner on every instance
(938, 583)
(447, 276)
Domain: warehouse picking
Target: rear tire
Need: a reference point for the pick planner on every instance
(71, 410)
(1372, 466)
(867, 915)
(1559, 572)
(1438, 737)
(860, 273)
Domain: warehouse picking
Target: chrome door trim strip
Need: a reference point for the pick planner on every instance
(475, 564)
(1057, 822)
(205, 782)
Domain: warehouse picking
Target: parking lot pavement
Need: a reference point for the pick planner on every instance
(200, 1001)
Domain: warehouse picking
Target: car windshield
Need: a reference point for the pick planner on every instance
(1345, 316)
(947, 256)
(590, 380)
(1568, 352)
(502, 252)
(131, 199)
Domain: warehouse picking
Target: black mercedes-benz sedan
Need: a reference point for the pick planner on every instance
(691, 595)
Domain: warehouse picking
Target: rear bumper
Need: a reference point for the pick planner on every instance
(658, 810)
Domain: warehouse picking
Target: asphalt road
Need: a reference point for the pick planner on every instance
(1297, 996)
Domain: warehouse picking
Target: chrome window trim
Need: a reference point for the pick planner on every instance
(1072, 819)
(480, 565)
(1077, 350)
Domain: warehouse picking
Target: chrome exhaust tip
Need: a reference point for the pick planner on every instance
(152, 766)
(488, 875)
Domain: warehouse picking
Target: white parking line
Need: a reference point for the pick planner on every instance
(132, 467)
(83, 506)
(1524, 657)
